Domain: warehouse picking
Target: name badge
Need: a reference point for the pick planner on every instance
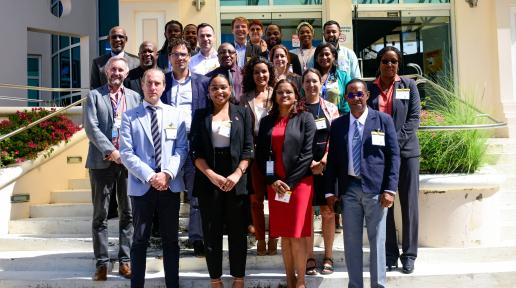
(285, 198)
(269, 168)
(171, 133)
(403, 94)
(225, 129)
(320, 123)
(117, 123)
(114, 133)
(378, 138)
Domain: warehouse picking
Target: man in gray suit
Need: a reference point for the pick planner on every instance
(102, 121)
(117, 41)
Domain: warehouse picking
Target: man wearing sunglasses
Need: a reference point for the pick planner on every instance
(364, 157)
(187, 91)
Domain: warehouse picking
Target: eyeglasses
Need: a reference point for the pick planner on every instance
(179, 54)
(387, 62)
(352, 95)
(224, 52)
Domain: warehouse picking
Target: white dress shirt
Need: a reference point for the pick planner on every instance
(201, 64)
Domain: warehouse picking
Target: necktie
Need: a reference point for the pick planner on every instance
(156, 136)
(230, 79)
(357, 148)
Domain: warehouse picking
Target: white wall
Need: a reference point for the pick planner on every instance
(17, 17)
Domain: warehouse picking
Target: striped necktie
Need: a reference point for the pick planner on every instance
(357, 149)
(156, 136)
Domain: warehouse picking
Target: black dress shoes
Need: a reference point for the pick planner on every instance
(198, 247)
(408, 265)
(391, 267)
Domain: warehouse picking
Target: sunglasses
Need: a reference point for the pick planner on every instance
(352, 95)
(387, 62)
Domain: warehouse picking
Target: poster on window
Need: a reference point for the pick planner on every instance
(433, 61)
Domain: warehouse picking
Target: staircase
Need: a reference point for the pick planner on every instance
(53, 248)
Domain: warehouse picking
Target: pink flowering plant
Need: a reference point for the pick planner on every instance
(28, 144)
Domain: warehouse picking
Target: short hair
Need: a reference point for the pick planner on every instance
(248, 80)
(144, 77)
(173, 43)
(385, 50)
(353, 81)
(171, 22)
(333, 51)
(331, 22)
(255, 22)
(114, 59)
(272, 24)
(296, 108)
(241, 19)
(204, 25)
(273, 52)
(189, 25)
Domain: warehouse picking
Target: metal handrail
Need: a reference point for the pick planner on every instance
(30, 125)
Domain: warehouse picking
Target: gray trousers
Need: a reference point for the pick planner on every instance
(194, 221)
(103, 181)
(357, 205)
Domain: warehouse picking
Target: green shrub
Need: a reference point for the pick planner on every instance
(454, 151)
(28, 144)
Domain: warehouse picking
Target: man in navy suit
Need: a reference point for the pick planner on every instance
(364, 157)
(188, 92)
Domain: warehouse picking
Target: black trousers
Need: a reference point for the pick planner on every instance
(166, 205)
(219, 209)
(408, 193)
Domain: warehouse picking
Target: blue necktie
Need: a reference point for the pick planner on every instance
(357, 149)
(156, 136)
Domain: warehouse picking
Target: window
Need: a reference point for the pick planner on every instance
(108, 18)
(66, 68)
(56, 7)
(33, 78)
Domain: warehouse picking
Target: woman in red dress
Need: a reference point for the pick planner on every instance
(284, 153)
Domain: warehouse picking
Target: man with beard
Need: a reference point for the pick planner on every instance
(148, 59)
(117, 40)
(228, 67)
(102, 121)
(206, 60)
(173, 30)
(273, 37)
(190, 35)
(347, 60)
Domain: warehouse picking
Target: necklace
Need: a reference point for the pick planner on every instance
(304, 60)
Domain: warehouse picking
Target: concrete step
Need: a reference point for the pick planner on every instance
(508, 158)
(501, 145)
(83, 183)
(76, 210)
(64, 225)
(500, 275)
(71, 196)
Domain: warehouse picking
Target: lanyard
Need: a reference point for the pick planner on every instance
(118, 104)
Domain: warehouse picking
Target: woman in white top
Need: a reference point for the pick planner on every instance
(305, 32)
(258, 84)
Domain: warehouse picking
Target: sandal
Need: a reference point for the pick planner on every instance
(238, 282)
(327, 267)
(261, 250)
(311, 269)
(216, 283)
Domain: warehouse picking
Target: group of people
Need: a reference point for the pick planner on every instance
(247, 121)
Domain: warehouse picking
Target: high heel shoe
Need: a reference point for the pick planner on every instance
(272, 246)
(261, 250)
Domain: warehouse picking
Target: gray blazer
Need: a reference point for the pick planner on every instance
(98, 76)
(98, 124)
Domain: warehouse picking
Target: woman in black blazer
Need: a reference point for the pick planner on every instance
(284, 155)
(222, 147)
(398, 96)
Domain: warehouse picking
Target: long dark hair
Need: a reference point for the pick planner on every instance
(333, 51)
(382, 52)
(295, 109)
(248, 81)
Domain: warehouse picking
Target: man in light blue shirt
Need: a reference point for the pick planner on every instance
(347, 60)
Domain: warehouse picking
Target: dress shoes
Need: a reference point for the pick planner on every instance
(408, 265)
(391, 265)
(100, 273)
(125, 270)
(198, 248)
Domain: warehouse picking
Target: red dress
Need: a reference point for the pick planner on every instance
(293, 219)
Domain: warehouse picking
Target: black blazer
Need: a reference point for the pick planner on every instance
(241, 145)
(405, 113)
(379, 165)
(97, 73)
(297, 148)
(296, 64)
(252, 50)
(199, 91)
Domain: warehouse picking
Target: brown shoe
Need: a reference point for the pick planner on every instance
(272, 246)
(100, 273)
(125, 270)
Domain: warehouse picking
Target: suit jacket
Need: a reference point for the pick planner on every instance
(163, 59)
(405, 113)
(296, 65)
(241, 145)
(252, 50)
(133, 80)
(98, 124)
(199, 91)
(297, 148)
(137, 148)
(379, 165)
(98, 75)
